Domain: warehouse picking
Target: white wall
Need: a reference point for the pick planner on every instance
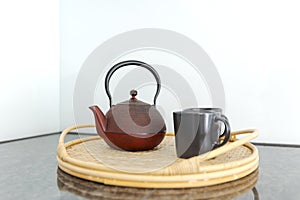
(29, 68)
(254, 44)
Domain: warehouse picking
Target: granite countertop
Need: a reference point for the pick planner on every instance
(29, 171)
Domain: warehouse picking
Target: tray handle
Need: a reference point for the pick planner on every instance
(233, 143)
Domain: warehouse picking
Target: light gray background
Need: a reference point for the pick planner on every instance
(252, 45)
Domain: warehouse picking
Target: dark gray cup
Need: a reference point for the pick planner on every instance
(197, 131)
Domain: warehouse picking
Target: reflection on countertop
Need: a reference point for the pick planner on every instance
(92, 190)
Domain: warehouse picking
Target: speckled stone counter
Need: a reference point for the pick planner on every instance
(29, 171)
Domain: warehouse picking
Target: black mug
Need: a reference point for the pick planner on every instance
(198, 130)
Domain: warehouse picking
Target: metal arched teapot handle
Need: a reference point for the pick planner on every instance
(131, 62)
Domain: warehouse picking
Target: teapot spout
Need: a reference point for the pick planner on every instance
(100, 120)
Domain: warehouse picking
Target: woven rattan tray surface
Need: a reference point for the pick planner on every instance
(90, 158)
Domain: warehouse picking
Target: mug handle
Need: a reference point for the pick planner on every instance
(226, 132)
(223, 134)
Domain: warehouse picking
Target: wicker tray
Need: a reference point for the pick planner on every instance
(91, 159)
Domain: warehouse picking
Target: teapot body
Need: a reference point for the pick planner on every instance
(135, 127)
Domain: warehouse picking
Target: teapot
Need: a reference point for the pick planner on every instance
(131, 125)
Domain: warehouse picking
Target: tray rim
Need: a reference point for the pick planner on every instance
(64, 156)
(162, 184)
(209, 175)
(160, 177)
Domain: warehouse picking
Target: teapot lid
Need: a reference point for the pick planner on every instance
(133, 100)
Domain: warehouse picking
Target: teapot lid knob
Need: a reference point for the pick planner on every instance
(133, 93)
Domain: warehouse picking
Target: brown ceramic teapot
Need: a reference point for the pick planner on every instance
(131, 125)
